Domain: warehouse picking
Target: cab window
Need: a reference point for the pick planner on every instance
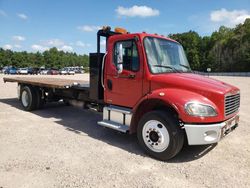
(130, 55)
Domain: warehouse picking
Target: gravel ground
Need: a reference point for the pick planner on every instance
(62, 146)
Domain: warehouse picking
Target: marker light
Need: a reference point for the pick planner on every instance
(120, 30)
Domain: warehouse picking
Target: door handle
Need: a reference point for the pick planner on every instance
(109, 84)
(131, 76)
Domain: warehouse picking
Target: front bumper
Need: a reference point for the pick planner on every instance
(209, 133)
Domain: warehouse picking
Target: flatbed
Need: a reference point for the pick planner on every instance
(57, 83)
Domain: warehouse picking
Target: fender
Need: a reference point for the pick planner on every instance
(174, 99)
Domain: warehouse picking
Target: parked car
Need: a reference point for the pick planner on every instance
(67, 70)
(53, 71)
(78, 70)
(10, 70)
(4, 69)
(44, 71)
(71, 71)
(22, 71)
(32, 70)
(63, 71)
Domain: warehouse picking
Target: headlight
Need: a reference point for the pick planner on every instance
(198, 109)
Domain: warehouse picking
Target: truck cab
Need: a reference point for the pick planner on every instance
(149, 88)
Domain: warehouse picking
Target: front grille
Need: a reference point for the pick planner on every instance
(232, 103)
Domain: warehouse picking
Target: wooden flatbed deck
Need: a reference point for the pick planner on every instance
(49, 82)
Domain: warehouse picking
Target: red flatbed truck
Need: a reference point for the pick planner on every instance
(143, 84)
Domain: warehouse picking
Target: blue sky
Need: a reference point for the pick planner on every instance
(36, 25)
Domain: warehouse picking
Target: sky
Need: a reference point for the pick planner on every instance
(71, 25)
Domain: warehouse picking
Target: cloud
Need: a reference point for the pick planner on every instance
(18, 38)
(39, 48)
(47, 44)
(22, 16)
(3, 13)
(88, 28)
(82, 44)
(54, 42)
(137, 11)
(7, 47)
(59, 44)
(66, 48)
(17, 46)
(229, 18)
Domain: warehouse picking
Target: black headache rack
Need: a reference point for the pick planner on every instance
(96, 91)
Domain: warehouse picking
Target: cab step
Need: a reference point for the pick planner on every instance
(114, 125)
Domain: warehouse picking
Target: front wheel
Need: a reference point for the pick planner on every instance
(160, 135)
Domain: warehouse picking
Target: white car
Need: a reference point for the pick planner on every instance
(22, 71)
(66, 70)
(63, 72)
(71, 71)
(44, 72)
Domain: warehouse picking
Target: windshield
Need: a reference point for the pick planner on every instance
(165, 56)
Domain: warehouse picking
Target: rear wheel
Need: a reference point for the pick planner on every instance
(66, 102)
(29, 98)
(159, 134)
(40, 100)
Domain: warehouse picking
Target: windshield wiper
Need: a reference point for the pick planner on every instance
(187, 67)
(167, 66)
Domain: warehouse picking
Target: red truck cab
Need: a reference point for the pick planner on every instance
(148, 78)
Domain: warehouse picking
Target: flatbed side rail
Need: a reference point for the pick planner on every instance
(48, 82)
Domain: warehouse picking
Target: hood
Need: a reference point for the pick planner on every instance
(191, 82)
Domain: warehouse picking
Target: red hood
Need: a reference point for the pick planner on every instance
(191, 82)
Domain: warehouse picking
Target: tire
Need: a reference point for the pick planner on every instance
(159, 134)
(40, 100)
(66, 102)
(29, 99)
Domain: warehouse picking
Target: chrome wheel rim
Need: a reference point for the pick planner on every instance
(25, 98)
(155, 136)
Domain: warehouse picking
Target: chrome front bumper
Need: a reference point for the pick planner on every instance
(209, 133)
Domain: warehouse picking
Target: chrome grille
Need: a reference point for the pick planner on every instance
(232, 103)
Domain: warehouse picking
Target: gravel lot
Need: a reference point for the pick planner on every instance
(62, 146)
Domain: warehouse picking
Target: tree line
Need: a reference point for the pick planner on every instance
(52, 58)
(226, 50)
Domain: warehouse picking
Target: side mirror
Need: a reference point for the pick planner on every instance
(120, 59)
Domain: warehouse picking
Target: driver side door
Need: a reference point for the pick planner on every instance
(124, 89)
